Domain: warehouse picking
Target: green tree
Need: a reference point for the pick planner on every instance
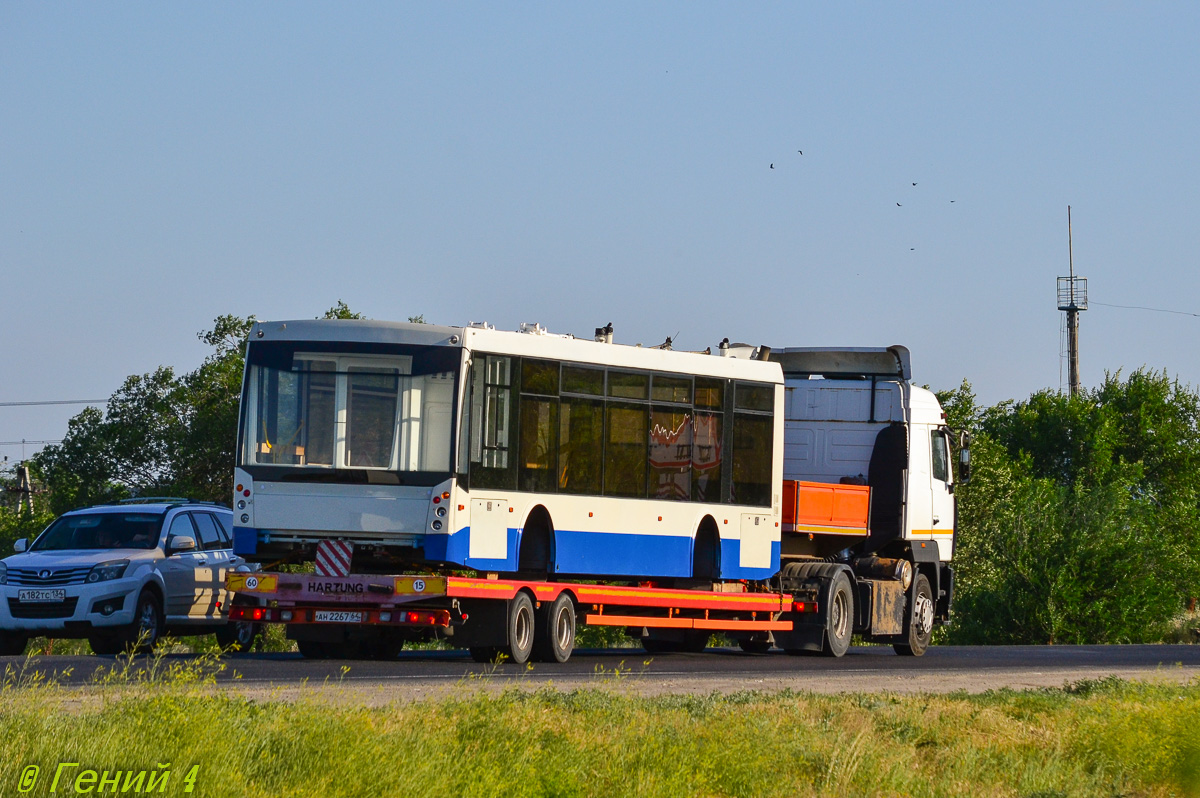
(341, 311)
(1080, 521)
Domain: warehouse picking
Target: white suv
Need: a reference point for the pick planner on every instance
(123, 573)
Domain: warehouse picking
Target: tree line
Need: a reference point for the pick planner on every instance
(1080, 523)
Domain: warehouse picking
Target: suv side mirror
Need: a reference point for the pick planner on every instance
(180, 544)
(21, 545)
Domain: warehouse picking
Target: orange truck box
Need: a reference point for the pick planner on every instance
(825, 508)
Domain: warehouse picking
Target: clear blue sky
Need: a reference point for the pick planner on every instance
(574, 164)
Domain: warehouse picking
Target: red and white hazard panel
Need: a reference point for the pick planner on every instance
(333, 557)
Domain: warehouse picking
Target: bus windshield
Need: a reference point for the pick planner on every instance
(357, 410)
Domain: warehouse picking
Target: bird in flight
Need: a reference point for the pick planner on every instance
(898, 205)
(772, 166)
(800, 151)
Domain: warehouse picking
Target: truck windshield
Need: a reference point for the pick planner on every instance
(307, 409)
(101, 531)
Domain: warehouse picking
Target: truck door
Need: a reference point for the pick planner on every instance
(919, 505)
(941, 489)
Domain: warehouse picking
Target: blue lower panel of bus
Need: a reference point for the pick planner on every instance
(603, 554)
(578, 553)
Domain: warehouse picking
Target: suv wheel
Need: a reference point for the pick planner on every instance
(237, 637)
(147, 626)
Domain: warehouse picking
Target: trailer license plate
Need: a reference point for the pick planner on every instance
(337, 616)
(36, 596)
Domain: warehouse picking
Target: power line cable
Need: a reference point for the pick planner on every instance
(1154, 310)
(31, 443)
(55, 402)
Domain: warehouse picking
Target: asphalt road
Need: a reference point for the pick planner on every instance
(942, 669)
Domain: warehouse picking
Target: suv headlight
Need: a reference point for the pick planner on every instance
(113, 569)
(3, 574)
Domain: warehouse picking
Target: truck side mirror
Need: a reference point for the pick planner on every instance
(964, 465)
(21, 545)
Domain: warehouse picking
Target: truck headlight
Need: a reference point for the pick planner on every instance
(105, 571)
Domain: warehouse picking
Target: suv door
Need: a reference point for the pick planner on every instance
(210, 578)
(179, 570)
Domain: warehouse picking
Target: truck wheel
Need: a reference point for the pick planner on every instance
(920, 621)
(839, 618)
(520, 628)
(555, 638)
(12, 644)
(695, 642)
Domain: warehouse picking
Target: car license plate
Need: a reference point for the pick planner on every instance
(35, 596)
(337, 616)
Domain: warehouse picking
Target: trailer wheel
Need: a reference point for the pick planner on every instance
(839, 620)
(555, 638)
(920, 621)
(521, 625)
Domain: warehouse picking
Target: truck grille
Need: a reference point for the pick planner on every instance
(56, 609)
(31, 577)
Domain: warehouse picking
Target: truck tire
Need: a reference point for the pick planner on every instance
(12, 644)
(520, 628)
(839, 617)
(555, 637)
(920, 620)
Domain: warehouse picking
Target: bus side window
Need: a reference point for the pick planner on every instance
(491, 423)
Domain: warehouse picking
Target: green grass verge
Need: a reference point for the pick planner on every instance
(1094, 739)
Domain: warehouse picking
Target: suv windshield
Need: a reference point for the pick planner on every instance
(101, 531)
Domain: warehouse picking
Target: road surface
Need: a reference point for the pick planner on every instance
(872, 668)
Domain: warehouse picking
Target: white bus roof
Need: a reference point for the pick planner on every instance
(529, 344)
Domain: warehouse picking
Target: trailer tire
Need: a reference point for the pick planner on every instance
(555, 637)
(839, 619)
(920, 620)
(520, 628)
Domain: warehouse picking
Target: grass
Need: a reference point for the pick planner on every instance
(1105, 738)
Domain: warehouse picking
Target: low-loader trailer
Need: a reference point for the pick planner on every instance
(499, 489)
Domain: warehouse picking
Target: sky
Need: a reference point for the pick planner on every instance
(799, 174)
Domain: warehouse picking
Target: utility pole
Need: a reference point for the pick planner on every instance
(1072, 297)
(24, 488)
